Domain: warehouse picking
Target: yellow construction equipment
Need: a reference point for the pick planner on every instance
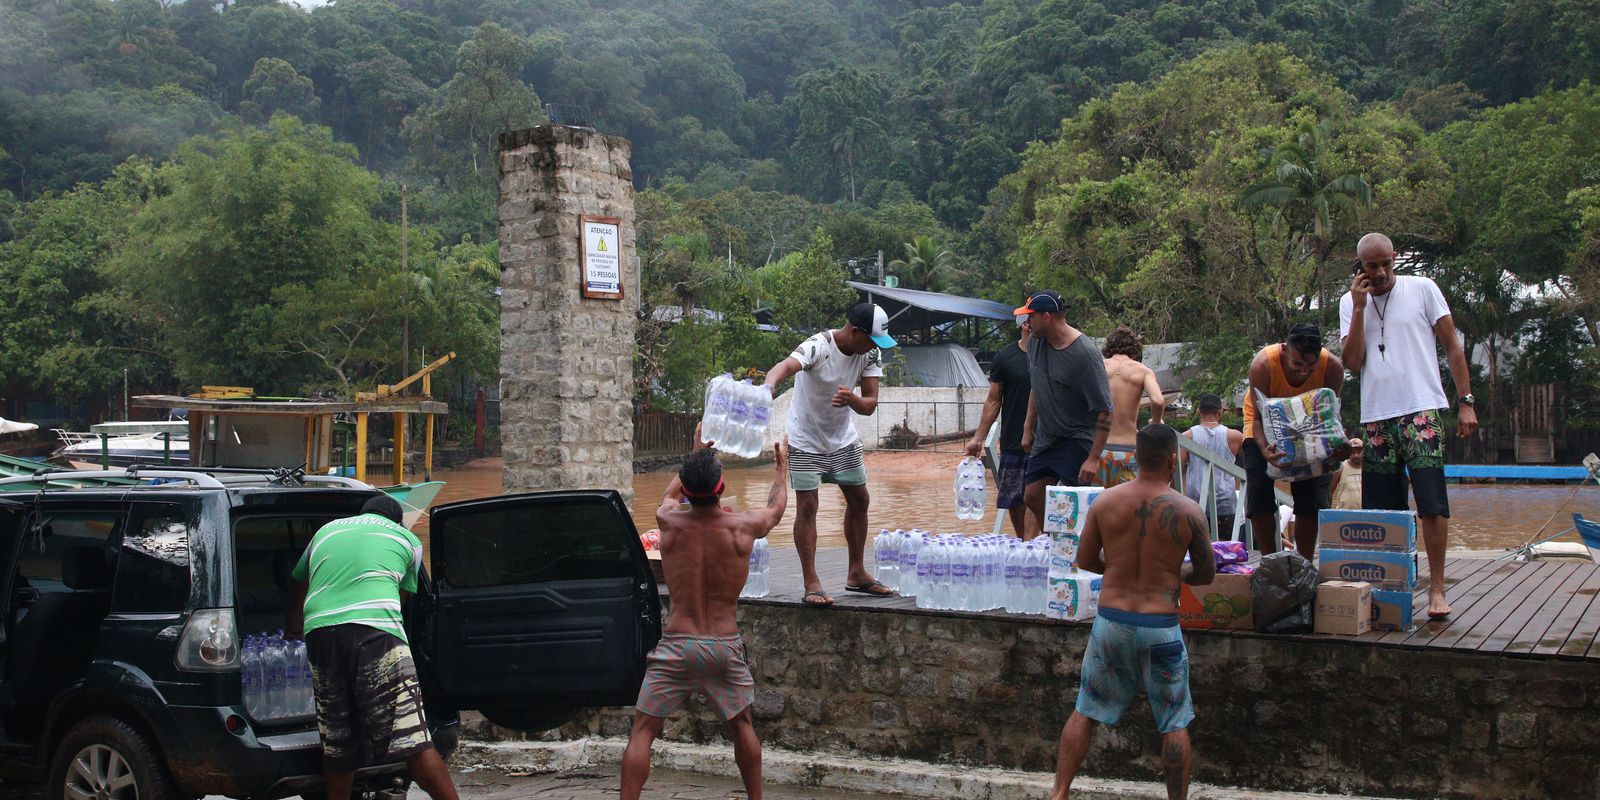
(385, 390)
(224, 393)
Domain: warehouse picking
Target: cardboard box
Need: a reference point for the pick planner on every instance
(1064, 552)
(1367, 530)
(1222, 603)
(1075, 596)
(1384, 569)
(1344, 608)
(654, 557)
(1067, 507)
(1391, 611)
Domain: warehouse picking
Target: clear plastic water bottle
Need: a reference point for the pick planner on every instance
(250, 675)
(275, 661)
(755, 438)
(715, 419)
(1039, 589)
(1012, 575)
(763, 562)
(910, 546)
(308, 696)
(750, 576)
(732, 438)
(883, 557)
(961, 558)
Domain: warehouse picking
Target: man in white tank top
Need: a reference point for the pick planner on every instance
(1212, 435)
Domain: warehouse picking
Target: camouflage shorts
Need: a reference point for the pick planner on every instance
(369, 702)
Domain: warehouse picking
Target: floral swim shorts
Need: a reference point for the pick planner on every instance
(684, 665)
(1116, 467)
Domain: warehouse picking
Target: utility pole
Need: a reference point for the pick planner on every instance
(124, 392)
(405, 297)
(880, 267)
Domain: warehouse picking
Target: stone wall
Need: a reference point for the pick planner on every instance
(1282, 713)
(566, 361)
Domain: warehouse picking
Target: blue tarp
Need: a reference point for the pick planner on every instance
(912, 310)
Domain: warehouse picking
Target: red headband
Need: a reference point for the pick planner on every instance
(717, 492)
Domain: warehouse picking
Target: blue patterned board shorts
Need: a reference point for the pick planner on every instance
(1127, 649)
(683, 665)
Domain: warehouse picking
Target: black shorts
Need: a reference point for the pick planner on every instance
(369, 702)
(1310, 495)
(1387, 490)
(1060, 462)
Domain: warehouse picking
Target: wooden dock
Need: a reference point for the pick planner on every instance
(1525, 610)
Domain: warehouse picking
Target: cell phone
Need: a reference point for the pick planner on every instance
(1355, 267)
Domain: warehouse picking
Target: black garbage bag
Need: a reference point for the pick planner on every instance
(1283, 593)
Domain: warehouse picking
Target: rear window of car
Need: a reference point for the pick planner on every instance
(153, 563)
(535, 542)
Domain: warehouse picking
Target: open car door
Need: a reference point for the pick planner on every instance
(542, 603)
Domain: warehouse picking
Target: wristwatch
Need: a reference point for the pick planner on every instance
(1467, 400)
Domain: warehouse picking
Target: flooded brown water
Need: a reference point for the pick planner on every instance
(913, 490)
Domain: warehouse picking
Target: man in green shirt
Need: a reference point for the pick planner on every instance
(369, 702)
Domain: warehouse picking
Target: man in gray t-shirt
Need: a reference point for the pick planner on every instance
(1069, 412)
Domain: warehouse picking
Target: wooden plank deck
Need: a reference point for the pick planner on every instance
(1541, 609)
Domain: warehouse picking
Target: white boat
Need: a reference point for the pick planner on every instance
(124, 444)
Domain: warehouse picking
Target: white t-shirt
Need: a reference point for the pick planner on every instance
(815, 425)
(1403, 378)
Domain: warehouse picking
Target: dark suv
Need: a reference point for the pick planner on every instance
(124, 608)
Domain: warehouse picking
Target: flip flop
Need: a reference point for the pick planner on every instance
(870, 588)
(806, 600)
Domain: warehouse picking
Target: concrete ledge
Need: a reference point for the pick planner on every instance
(864, 775)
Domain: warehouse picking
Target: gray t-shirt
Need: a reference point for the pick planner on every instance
(1070, 391)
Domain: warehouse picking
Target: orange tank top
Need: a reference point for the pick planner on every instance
(1278, 384)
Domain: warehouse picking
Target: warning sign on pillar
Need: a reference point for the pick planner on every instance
(602, 262)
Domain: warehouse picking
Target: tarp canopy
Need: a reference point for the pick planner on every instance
(913, 310)
(940, 365)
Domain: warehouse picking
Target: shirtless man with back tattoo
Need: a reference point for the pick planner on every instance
(1136, 536)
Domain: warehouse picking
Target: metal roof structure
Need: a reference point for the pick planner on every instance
(912, 310)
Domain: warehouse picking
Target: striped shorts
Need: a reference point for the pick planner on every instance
(845, 467)
(369, 702)
(683, 665)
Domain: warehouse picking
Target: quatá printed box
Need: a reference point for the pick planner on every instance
(1222, 603)
(1064, 552)
(1066, 508)
(1344, 608)
(1391, 611)
(1384, 569)
(1367, 530)
(1074, 597)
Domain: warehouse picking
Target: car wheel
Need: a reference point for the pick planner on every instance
(537, 718)
(104, 758)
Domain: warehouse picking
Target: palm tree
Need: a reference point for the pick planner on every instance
(925, 265)
(847, 144)
(1308, 201)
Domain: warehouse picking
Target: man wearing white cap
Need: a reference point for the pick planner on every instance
(824, 446)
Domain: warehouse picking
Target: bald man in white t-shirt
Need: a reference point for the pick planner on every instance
(1392, 326)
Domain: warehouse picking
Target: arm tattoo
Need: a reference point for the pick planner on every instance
(1102, 423)
(775, 494)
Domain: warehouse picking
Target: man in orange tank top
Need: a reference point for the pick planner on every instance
(1298, 365)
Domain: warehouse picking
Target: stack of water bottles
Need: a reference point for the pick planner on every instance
(276, 679)
(736, 415)
(964, 573)
(969, 489)
(757, 582)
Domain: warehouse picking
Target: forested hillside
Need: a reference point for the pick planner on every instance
(212, 191)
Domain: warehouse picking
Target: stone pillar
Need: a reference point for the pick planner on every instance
(566, 361)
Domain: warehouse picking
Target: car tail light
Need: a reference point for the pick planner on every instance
(236, 725)
(210, 642)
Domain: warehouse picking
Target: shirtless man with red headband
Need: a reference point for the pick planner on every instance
(705, 553)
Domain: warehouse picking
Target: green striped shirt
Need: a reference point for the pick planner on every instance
(355, 569)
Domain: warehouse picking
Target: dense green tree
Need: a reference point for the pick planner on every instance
(454, 136)
(274, 86)
(841, 134)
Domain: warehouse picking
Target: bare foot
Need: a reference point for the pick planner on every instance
(1437, 607)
